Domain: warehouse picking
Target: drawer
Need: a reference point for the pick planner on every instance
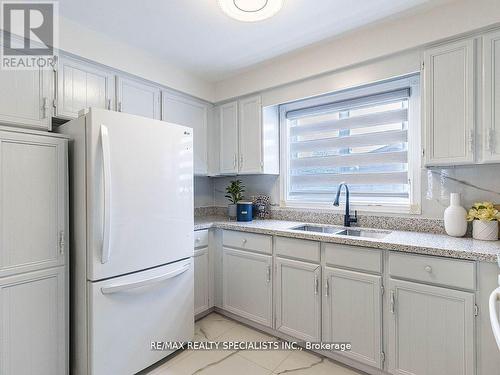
(201, 238)
(355, 257)
(449, 272)
(300, 249)
(247, 241)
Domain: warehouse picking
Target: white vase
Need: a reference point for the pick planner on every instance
(485, 230)
(231, 211)
(455, 217)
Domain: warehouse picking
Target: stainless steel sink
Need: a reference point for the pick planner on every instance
(342, 232)
(362, 233)
(317, 228)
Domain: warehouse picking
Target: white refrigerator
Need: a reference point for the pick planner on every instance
(131, 193)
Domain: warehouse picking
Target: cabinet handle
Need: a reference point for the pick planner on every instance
(235, 161)
(241, 161)
(108, 104)
(428, 269)
(119, 106)
(268, 276)
(471, 141)
(392, 302)
(327, 287)
(61, 242)
(316, 285)
(489, 141)
(44, 107)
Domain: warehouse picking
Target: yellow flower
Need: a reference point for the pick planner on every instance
(483, 211)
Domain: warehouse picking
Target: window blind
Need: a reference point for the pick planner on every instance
(361, 141)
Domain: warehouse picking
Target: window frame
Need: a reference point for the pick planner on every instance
(413, 82)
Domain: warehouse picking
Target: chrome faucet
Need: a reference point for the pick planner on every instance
(347, 217)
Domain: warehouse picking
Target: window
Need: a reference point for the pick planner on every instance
(366, 137)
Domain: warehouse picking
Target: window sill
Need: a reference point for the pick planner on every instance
(414, 209)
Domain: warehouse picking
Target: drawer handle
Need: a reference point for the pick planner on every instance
(428, 269)
(197, 240)
(244, 241)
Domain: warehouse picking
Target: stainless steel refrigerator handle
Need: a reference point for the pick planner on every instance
(138, 284)
(106, 163)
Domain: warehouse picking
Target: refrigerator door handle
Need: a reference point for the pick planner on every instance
(495, 324)
(106, 162)
(141, 283)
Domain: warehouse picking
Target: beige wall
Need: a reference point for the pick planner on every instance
(369, 43)
(83, 42)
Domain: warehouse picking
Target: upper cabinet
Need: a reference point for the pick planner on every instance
(138, 98)
(249, 137)
(449, 72)
(228, 120)
(27, 98)
(185, 111)
(81, 85)
(491, 97)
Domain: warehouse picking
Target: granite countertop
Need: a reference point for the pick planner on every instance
(410, 242)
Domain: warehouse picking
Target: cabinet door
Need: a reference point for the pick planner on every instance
(33, 323)
(298, 299)
(491, 97)
(33, 202)
(138, 98)
(27, 98)
(250, 135)
(82, 85)
(247, 287)
(449, 103)
(228, 120)
(352, 312)
(201, 280)
(431, 330)
(183, 111)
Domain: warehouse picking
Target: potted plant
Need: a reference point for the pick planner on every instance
(484, 217)
(234, 192)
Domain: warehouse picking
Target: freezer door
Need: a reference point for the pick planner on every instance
(139, 193)
(127, 313)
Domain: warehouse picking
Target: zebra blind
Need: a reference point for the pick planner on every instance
(362, 142)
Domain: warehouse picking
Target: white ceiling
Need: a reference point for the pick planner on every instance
(197, 36)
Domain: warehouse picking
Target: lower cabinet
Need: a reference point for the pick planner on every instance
(201, 280)
(298, 299)
(352, 313)
(431, 330)
(247, 285)
(33, 324)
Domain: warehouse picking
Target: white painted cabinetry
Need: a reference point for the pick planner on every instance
(298, 299)
(352, 312)
(228, 128)
(247, 285)
(138, 97)
(201, 272)
(27, 98)
(249, 137)
(81, 85)
(33, 182)
(33, 323)
(33, 254)
(431, 330)
(449, 105)
(491, 97)
(185, 111)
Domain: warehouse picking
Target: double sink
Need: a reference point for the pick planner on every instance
(341, 231)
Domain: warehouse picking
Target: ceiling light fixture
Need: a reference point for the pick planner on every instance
(250, 10)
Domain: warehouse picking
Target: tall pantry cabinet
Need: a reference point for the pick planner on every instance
(33, 253)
